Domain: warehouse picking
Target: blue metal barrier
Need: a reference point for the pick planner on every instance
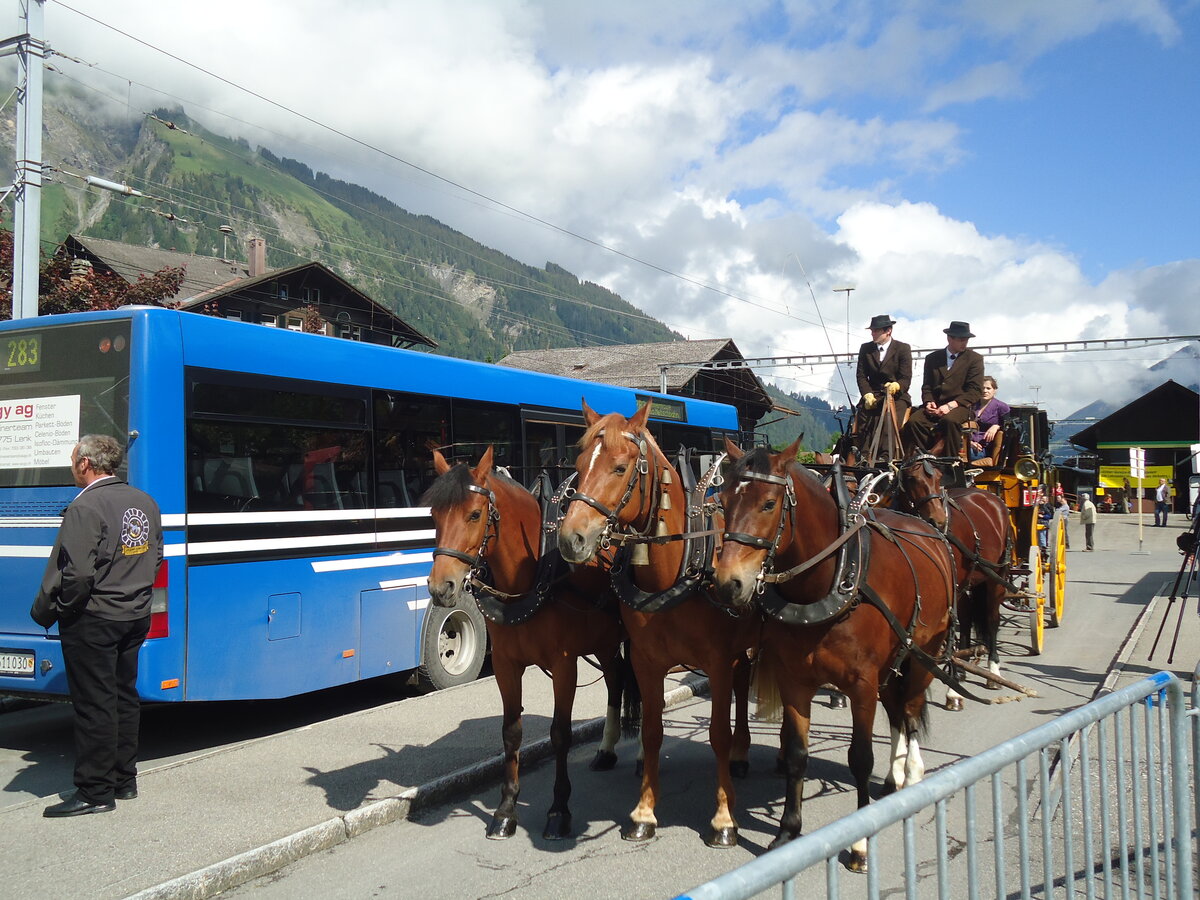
(1120, 765)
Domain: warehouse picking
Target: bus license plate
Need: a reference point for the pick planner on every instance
(16, 662)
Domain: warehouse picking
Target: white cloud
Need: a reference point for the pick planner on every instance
(758, 147)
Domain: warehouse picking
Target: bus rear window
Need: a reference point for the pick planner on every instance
(58, 382)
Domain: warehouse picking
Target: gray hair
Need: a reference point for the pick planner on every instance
(103, 451)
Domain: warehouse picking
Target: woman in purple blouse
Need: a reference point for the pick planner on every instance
(989, 413)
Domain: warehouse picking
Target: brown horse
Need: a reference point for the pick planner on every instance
(627, 491)
(977, 525)
(486, 520)
(862, 602)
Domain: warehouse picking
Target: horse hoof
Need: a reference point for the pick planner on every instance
(992, 685)
(954, 704)
(638, 831)
(782, 838)
(739, 768)
(640, 769)
(889, 787)
(723, 838)
(856, 862)
(603, 761)
(501, 827)
(558, 826)
(837, 701)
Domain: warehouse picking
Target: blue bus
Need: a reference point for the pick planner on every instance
(289, 468)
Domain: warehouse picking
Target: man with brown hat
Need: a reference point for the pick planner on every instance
(884, 368)
(951, 386)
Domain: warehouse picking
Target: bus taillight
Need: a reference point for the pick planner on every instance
(158, 605)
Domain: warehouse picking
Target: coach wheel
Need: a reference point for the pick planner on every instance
(453, 645)
(1037, 604)
(1056, 577)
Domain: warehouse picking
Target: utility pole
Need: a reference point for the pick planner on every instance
(27, 181)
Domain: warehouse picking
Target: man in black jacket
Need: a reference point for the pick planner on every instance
(97, 586)
(884, 368)
(951, 386)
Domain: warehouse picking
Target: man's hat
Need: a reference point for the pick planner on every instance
(881, 322)
(958, 330)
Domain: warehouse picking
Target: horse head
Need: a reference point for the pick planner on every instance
(466, 519)
(920, 489)
(759, 500)
(615, 488)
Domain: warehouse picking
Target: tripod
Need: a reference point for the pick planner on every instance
(1187, 543)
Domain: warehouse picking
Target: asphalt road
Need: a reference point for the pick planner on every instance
(444, 853)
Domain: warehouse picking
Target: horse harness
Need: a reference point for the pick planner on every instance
(498, 606)
(849, 585)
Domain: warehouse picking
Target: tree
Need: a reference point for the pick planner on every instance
(60, 290)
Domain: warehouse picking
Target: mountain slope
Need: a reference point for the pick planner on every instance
(476, 302)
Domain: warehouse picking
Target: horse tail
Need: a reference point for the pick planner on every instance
(631, 694)
(765, 685)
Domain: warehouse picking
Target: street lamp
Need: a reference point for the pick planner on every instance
(1035, 388)
(837, 290)
(226, 231)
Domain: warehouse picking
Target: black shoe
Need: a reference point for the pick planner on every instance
(127, 793)
(76, 806)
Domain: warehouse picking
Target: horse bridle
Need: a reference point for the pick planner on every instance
(758, 543)
(490, 530)
(638, 476)
(926, 461)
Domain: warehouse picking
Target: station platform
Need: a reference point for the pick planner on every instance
(219, 818)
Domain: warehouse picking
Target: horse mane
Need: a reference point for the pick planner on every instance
(448, 489)
(453, 487)
(612, 437)
(756, 461)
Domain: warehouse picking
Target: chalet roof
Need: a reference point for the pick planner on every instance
(1165, 417)
(201, 273)
(638, 366)
(631, 365)
(208, 278)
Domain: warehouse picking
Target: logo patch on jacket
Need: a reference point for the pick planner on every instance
(135, 532)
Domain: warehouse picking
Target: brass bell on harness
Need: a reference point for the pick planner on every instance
(664, 501)
(668, 475)
(640, 555)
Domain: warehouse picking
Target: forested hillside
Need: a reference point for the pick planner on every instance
(475, 301)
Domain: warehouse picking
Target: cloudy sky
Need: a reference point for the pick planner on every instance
(1029, 166)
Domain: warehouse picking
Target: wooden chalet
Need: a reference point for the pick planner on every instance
(253, 293)
(640, 366)
(1164, 422)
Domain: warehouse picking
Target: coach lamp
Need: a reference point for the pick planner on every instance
(1026, 468)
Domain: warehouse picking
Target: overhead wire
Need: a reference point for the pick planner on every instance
(428, 172)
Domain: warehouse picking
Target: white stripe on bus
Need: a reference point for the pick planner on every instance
(418, 581)
(304, 515)
(371, 562)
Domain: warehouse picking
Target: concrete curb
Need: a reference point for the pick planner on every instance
(237, 870)
(1117, 666)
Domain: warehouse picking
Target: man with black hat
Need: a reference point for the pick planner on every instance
(884, 368)
(952, 385)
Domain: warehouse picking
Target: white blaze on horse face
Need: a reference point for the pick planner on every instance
(591, 462)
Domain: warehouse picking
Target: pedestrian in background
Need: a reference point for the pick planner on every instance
(1063, 508)
(1087, 518)
(1162, 500)
(97, 586)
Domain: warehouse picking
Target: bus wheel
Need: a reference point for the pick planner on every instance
(453, 646)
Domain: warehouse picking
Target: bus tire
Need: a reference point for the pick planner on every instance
(453, 645)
